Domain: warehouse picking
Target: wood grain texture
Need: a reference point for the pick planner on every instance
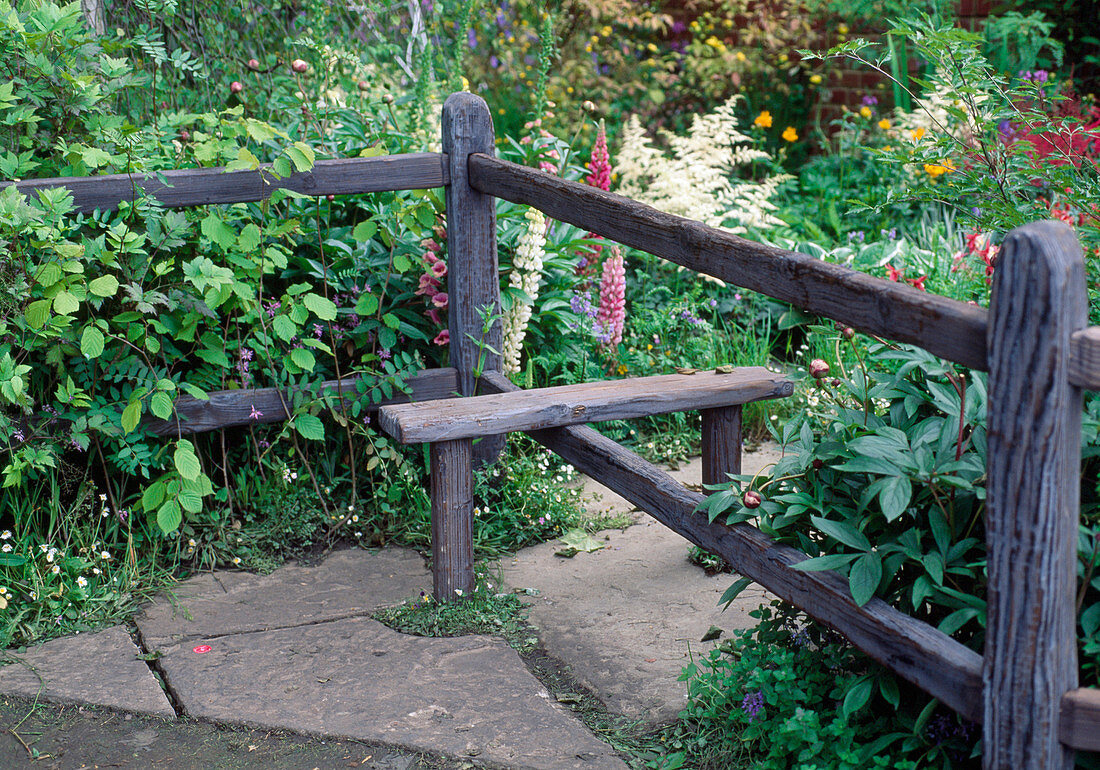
(581, 403)
(1032, 493)
(1079, 727)
(1084, 358)
(231, 408)
(203, 186)
(473, 281)
(919, 653)
(452, 519)
(721, 444)
(945, 327)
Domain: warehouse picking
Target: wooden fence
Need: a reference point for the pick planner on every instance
(1033, 341)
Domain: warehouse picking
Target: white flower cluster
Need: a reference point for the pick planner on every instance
(695, 182)
(525, 276)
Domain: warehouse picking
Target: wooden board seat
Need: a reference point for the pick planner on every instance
(451, 419)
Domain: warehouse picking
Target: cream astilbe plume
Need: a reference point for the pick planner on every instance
(695, 181)
(525, 276)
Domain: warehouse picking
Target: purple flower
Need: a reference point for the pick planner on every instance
(255, 414)
(891, 234)
(18, 436)
(494, 62)
(870, 101)
(1040, 76)
(752, 704)
(712, 303)
(471, 38)
(385, 354)
(856, 235)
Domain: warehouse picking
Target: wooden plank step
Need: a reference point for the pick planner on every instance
(428, 422)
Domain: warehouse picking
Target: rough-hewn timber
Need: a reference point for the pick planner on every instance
(231, 408)
(473, 280)
(581, 403)
(1033, 497)
(452, 519)
(1079, 726)
(184, 187)
(946, 327)
(916, 651)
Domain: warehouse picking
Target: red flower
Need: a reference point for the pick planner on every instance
(892, 273)
(443, 338)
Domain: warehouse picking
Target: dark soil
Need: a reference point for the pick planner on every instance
(75, 737)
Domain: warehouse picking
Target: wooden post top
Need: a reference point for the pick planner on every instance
(432, 421)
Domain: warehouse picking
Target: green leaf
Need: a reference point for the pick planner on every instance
(894, 497)
(321, 307)
(65, 303)
(366, 305)
(365, 230)
(303, 359)
(578, 541)
(169, 517)
(310, 427)
(12, 560)
(104, 286)
(734, 591)
(49, 274)
(91, 342)
(864, 578)
(186, 461)
(38, 313)
(284, 328)
(131, 415)
(857, 697)
(827, 562)
(392, 321)
(161, 405)
(249, 238)
(957, 620)
(843, 532)
(153, 496)
(190, 501)
(214, 228)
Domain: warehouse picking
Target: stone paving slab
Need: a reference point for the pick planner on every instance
(470, 697)
(626, 619)
(100, 668)
(347, 583)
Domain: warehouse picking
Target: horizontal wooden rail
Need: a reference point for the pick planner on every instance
(948, 328)
(584, 402)
(203, 186)
(230, 408)
(919, 653)
(1079, 723)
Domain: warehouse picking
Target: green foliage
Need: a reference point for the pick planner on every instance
(791, 694)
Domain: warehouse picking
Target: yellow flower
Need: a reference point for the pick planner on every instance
(763, 120)
(465, 84)
(790, 134)
(865, 111)
(651, 47)
(622, 369)
(815, 79)
(606, 31)
(938, 169)
(917, 134)
(884, 124)
(740, 56)
(842, 29)
(783, 58)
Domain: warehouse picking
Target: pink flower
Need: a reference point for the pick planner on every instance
(440, 300)
(443, 338)
(255, 414)
(430, 245)
(434, 315)
(600, 164)
(428, 285)
(612, 312)
(439, 268)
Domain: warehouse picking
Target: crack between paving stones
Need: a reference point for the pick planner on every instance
(158, 672)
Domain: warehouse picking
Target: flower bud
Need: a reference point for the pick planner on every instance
(818, 368)
(185, 135)
(387, 99)
(363, 85)
(235, 87)
(588, 106)
(298, 65)
(848, 332)
(818, 464)
(751, 499)
(253, 64)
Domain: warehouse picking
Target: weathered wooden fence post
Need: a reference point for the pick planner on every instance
(452, 509)
(721, 444)
(1038, 300)
(472, 279)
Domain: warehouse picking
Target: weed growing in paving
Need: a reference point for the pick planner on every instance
(485, 611)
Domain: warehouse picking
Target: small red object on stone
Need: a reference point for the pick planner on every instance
(202, 648)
